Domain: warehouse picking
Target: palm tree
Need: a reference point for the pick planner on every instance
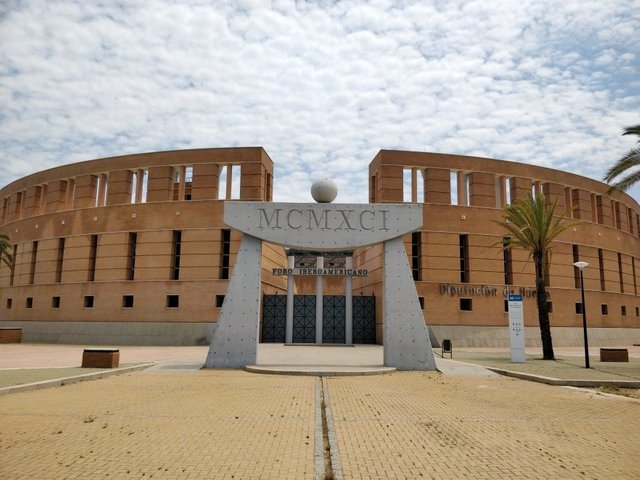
(629, 160)
(5, 245)
(533, 227)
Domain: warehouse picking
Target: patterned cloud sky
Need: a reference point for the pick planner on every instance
(321, 85)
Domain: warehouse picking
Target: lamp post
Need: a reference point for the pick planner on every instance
(581, 266)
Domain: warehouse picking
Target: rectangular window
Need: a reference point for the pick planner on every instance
(453, 183)
(219, 301)
(576, 270)
(633, 273)
(176, 246)
(568, 206)
(421, 302)
(623, 310)
(604, 309)
(630, 217)
(269, 188)
(10, 303)
(620, 275)
(19, 204)
(506, 306)
(88, 301)
(406, 185)
(594, 209)
(579, 308)
(131, 255)
(12, 273)
(93, 254)
(416, 255)
(601, 269)
(466, 304)
(616, 214)
(55, 302)
(29, 302)
(127, 301)
(507, 261)
(550, 307)
(34, 258)
(599, 210)
(5, 210)
(173, 301)
(464, 258)
(60, 259)
(637, 311)
(225, 252)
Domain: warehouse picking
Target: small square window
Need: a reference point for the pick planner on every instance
(604, 309)
(219, 301)
(29, 303)
(88, 301)
(10, 303)
(173, 301)
(421, 300)
(466, 304)
(578, 308)
(127, 301)
(623, 310)
(550, 307)
(55, 302)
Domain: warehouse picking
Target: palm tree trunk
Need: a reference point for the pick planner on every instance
(543, 312)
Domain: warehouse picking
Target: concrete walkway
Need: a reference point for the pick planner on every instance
(231, 424)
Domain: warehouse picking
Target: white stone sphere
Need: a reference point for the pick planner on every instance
(324, 190)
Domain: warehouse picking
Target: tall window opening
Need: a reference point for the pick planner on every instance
(71, 192)
(93, 253)
(34, 258)
(464, 258)
(616, 214)
(406, 185)
(416, 255)
(225, 252)
(14, 255)
(633, 272)
(620, 274)
(507, 261)
(175, 254)
(60, 259)
(102, 183)
(630, 220)
(131, 255)
(601, 268)
(453, 182)
(599, 210)
(19, 205)
(229, 182)
(576, 270)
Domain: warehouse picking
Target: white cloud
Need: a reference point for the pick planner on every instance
(321, 85)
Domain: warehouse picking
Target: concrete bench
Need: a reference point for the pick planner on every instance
(614, 355)
(100, 358)
(10, 335)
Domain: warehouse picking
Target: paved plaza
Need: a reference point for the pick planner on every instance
(174, 421)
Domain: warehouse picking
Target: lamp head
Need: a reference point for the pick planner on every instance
(581, 265)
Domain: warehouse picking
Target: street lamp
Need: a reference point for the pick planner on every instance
(581, 266)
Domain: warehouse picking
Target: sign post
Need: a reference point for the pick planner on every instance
(516, 329)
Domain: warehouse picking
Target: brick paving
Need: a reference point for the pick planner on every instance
(235, 424)
(205, 424)
(424, 425)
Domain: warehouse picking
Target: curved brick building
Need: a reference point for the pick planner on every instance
(133, 249)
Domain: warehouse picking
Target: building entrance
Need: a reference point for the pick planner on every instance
(334, 325)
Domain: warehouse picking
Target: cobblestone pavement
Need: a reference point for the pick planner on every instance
(205, 424)
(234, 424)
(424, 425)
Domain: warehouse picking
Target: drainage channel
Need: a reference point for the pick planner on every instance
(327, 456)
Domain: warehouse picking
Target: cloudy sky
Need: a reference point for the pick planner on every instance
(321, 85)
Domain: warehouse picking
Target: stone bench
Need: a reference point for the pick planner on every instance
(100, 358)
(10, 335)
(614, 355)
